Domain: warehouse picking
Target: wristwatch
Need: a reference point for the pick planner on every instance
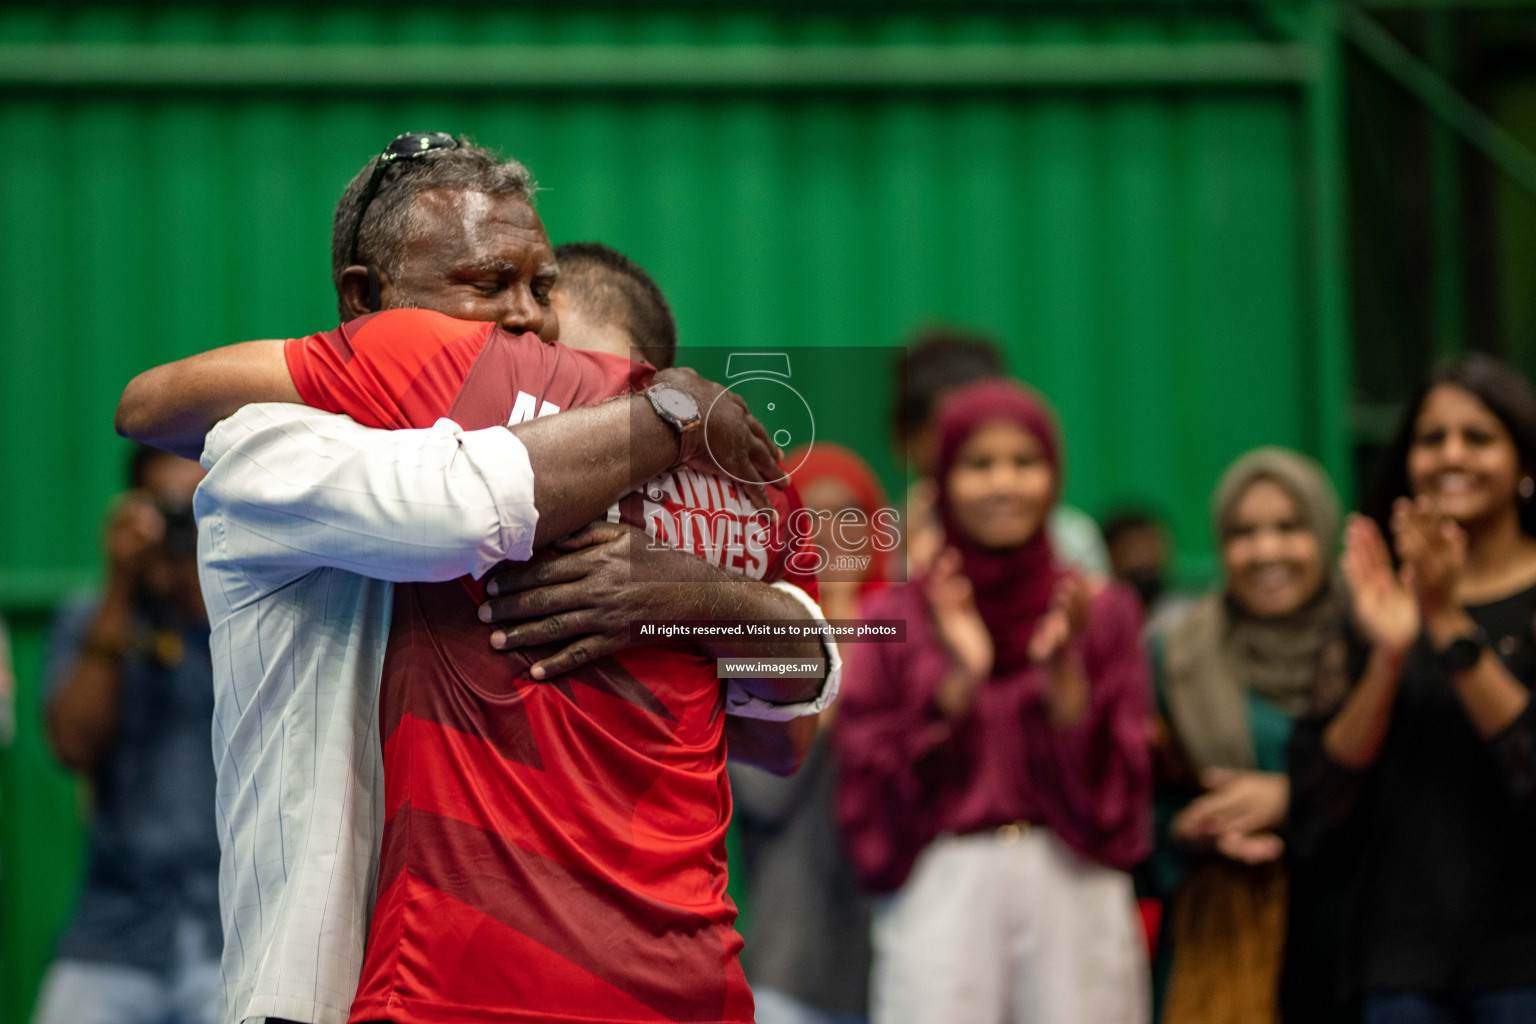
(1463, 652)
(681, 412)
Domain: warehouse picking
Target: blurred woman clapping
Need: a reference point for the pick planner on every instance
(1233, 674)
(994, 768)
(1425, 774)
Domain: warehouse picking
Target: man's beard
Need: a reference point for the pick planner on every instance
(408, 302)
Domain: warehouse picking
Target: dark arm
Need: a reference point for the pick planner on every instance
(81, 719)
(596, 582)
(1325, 819)
(581, 464)
(729, 598)
(1330, 780)
(591, 586)
(583, 460)
(174, 406)
(1492, 697)
(777, 746)
(1353, 737)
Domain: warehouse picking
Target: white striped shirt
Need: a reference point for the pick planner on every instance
(297, 505)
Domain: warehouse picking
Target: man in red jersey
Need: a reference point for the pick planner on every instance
(637, 831)
(551, 851)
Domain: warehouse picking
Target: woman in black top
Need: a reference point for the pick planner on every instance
(1425, 772)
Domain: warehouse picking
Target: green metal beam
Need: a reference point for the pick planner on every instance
(534, 68)
(1330, 397)
(1476, 127)
(1449, 5)
(1282, 18)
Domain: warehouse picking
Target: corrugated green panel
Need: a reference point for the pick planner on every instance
(46, 342)
(828, 209)
(1140, 299)
(1240, 350)
(1137, 250)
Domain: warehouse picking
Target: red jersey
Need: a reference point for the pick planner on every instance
(552, 851)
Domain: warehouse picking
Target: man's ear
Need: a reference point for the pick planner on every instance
(352, 291)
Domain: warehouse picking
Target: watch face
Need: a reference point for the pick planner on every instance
(1463, 653)
(677, 404)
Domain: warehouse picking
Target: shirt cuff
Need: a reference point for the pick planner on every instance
(742, 704)
(502, 462)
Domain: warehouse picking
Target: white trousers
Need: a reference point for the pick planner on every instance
(1009, 927)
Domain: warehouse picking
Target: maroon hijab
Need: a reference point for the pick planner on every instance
(1013, 586)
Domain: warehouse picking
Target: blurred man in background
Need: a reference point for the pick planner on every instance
(129, 701)
(1139, 553)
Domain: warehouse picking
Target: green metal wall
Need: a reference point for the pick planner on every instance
(1140, 200)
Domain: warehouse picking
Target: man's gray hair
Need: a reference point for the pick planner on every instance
(387, 221)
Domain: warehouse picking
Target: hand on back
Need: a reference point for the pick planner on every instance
(729, 442)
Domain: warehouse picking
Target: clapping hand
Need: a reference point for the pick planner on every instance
(1054, 640)
(952, 603)
(1238, 815)
(1064, 621)
(1434, 550)
(925, 534)
(1382, 601)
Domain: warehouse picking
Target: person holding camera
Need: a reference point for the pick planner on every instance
(128, 705)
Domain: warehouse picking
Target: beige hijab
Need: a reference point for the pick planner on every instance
(1218, 653)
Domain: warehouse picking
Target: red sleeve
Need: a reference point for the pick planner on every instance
(398, 368)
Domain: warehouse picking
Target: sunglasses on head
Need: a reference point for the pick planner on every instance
(410, 146)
